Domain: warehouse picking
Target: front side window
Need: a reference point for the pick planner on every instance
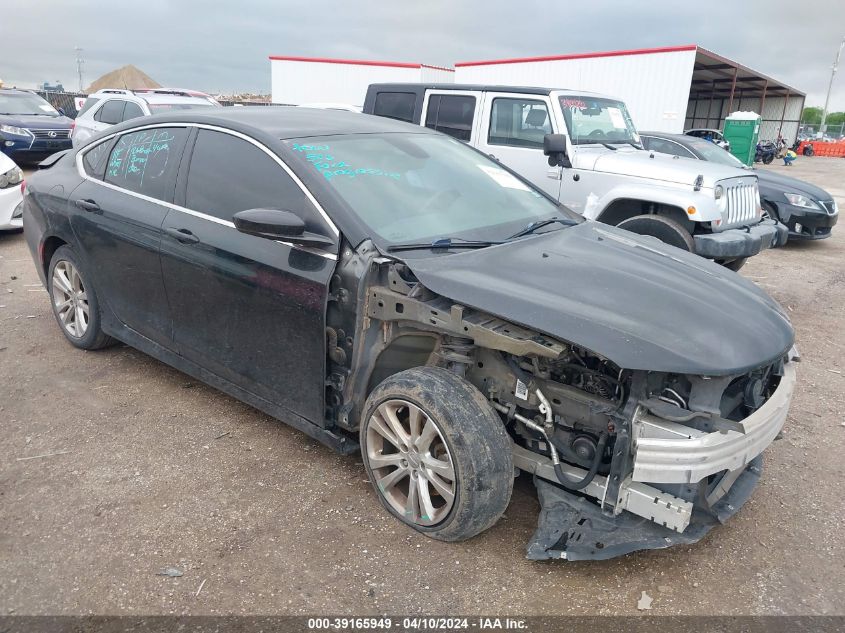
(90, 102)
(228, 174)
(420, 187)
(519, 122)
(395, 105)
(597, 120)
(111, 112)
(145, 161)
(451, 114)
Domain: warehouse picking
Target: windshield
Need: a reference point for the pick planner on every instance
(714, 153)
(424, 187)
(167, 107)
(26, 104)
(593, 120)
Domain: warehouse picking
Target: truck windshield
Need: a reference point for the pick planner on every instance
(594, 120)
(417, 187)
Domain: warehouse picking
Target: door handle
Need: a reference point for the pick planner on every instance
(88, 205)
(182, 235)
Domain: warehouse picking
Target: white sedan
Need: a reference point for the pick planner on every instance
(11, 177)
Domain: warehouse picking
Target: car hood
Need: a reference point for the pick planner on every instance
(628, 161)
(638, 302)
(785, 184)
(37, 122)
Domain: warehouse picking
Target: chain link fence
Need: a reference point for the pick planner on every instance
(834, 132)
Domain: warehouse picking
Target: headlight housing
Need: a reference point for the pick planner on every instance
(11, 178)
(799, 200)
(14, 130)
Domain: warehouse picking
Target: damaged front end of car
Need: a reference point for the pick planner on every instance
(622, 459)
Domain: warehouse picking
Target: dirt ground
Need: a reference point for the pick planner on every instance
(149, 470)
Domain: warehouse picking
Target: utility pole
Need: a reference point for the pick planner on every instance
(79, 62)
(823, 127)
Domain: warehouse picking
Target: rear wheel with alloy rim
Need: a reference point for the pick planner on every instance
(74, 301)
(436, 453)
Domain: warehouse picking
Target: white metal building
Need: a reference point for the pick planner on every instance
(298, 80)
(666, 89)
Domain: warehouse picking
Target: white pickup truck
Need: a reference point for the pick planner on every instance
(583, 149)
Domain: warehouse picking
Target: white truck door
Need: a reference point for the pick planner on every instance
(512, 128)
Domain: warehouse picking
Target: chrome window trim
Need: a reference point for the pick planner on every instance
(175, 207)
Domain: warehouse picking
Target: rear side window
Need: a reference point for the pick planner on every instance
(111, 112)
(90, 102)
(395, 105)
(146, 161)
(132, 111)
(95, 159)
(519, 123)
(451, 114)
(228, 174)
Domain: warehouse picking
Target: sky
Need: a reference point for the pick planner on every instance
(224, 46)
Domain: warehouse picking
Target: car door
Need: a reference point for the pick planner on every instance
(249, 309)
(512, 130)
(117, 215)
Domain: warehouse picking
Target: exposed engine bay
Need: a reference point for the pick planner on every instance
(622, 459)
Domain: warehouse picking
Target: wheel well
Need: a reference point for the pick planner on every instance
(50, 246)
(625, 208)
(404, 352)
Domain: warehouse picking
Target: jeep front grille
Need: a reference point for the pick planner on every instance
(741, 206)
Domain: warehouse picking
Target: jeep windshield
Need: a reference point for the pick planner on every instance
(425, 187)
(596, 120)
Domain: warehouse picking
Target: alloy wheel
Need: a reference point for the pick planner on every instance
(410, 462)
(70, 299)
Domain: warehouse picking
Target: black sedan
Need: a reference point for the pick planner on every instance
(386, 288)
(808, 211)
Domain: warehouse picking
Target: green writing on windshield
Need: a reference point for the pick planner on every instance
(324, 161)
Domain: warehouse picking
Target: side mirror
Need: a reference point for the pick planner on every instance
(554, 146)
(276, 224)
(61, 111)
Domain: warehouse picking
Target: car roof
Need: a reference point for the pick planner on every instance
(283, 122)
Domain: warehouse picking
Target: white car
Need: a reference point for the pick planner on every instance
(111, 106)
(11, 177)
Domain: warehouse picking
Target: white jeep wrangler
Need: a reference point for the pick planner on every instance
(583, 149)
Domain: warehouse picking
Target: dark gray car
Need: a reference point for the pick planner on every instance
(808, 211)
(387, 289)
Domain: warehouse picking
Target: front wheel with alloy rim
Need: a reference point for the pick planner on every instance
(437, 453)
(74, 301)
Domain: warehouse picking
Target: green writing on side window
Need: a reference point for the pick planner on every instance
(140, 155)
(326, 163)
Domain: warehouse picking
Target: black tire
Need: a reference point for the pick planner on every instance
(664, 229)
(479, 451)
(93, 337)
(736, 264)
(768, 158)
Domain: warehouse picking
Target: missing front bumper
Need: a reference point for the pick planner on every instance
(572, 527)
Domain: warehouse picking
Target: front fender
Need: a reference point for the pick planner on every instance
(681, 196)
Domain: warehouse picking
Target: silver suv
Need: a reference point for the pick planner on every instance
(111, 106)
